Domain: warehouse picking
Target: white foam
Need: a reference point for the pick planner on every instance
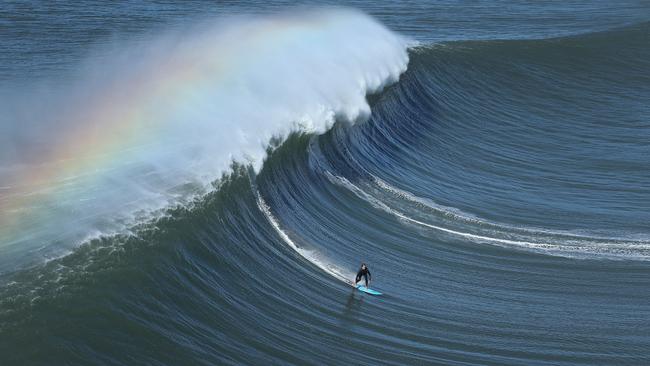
(195, 100)
(312, 256)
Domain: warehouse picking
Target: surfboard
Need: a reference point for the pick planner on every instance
(368, 290)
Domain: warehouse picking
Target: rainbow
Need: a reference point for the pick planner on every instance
(143, 103)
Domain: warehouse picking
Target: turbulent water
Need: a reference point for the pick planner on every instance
(189, 183)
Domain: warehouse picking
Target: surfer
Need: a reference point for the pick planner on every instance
(363, 271)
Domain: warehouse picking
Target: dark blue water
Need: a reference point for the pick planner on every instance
(499, 192)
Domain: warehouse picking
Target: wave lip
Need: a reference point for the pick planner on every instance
(153, 126)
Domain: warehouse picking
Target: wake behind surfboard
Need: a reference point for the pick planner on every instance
(368, 290)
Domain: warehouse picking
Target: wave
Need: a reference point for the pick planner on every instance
(479, 179)
(152, 127)
(164, 166)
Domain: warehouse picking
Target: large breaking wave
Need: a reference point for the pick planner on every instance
(152, 126)
(488, 190)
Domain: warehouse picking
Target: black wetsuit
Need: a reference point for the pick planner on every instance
(366, 275)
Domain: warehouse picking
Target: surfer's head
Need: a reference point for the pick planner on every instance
(363, 266)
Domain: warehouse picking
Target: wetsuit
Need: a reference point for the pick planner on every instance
(366, 275)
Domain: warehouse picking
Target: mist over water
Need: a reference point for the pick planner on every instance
(148, 127)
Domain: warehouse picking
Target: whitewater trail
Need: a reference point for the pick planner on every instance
(312, 256)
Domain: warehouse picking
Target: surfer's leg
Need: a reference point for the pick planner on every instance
(365, 277)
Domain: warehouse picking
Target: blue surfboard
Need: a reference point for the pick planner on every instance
(368, 290)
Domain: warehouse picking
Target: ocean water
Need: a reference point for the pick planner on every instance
(194, 183)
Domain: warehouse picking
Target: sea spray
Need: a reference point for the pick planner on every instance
(151, 126)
